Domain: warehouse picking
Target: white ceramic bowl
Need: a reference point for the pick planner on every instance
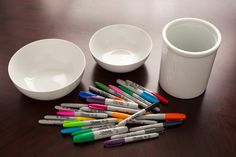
(120, 48)
(47, 69)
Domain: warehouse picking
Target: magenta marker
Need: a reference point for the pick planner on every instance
(86, 114)
(112, 102)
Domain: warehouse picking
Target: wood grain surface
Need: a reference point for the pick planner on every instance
(210, 129)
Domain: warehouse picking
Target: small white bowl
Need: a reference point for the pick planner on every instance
(47, 69)
(120, 48)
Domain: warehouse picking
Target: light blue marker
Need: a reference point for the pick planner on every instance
(74, 129)
(144, 94)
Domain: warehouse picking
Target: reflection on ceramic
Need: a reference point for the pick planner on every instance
(188, 53)
(120, 48)
(47, 69)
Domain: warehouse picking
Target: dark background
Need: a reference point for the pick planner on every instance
(210, 127)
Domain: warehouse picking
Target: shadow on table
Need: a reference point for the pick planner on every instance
(139, 75)
(191, 107)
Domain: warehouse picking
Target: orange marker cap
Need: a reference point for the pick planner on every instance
(120, 115)
(175, 116)
(118, 98)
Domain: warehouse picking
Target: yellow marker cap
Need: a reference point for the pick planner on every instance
(84, 118)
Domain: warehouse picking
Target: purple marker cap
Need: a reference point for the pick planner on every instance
(114, 142)
(95, 99)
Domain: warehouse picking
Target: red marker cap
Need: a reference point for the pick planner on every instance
(161, 98)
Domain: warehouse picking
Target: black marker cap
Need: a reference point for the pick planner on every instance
(172, 124)
(150, 108)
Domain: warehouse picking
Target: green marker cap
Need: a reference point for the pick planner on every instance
(81, 132)
(126, 90)
(102, 86)
(86, 137)
(73, 123)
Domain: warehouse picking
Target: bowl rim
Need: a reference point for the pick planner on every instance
(130, 27)
(48, 91)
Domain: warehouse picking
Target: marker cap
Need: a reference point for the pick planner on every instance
(97, 106)
(65, 113)
(114, 142)
(95, 99)
(176, 116)
(86, 137)
(128, 91)
(161, 98)
(80, 132)
(172, 124)
(70, 130)
(116, 89)
(120, 115)
(150, 108)
(84, 95)
(73, 123)
(148, 96)
(102, 86)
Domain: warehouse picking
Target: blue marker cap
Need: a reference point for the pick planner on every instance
(149, 97)
(84, 94)
(70, 130)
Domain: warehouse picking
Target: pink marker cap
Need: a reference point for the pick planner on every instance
(116, 89)
(97, 106)
(65, 113)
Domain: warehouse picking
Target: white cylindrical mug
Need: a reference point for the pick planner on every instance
(188, 53)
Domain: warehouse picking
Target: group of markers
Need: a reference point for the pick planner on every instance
(109, 109)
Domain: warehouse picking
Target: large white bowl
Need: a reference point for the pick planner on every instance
(47, 69)
(120, 48)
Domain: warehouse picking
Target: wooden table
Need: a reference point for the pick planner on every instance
(210, 129)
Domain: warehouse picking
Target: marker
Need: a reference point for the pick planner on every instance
(142, 122)
(85, 94)
(110, 113)
(144, 105)
(74, 105)
(74, 129)
(99, 134)
(146, 95)
(133, 94)
(103, 93)
(54, 117)
(161, 98)
(164, 125)
(112, 108)
(73, 113)
(164, 116)
(107, 89)
(87, 109)
(139, 113)
(121, 141)
(65, 108)
(140, 132)
(51, 122)
(91, 130)
(139, 122)
(74, 123)
(112, 102)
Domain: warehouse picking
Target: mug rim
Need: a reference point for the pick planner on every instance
(189, 53)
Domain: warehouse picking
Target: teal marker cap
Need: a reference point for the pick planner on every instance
(102, 86)
(149, 97)
(126, 90)
(81, 132)
(86, 137)
(73, 123)
(70, 130)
